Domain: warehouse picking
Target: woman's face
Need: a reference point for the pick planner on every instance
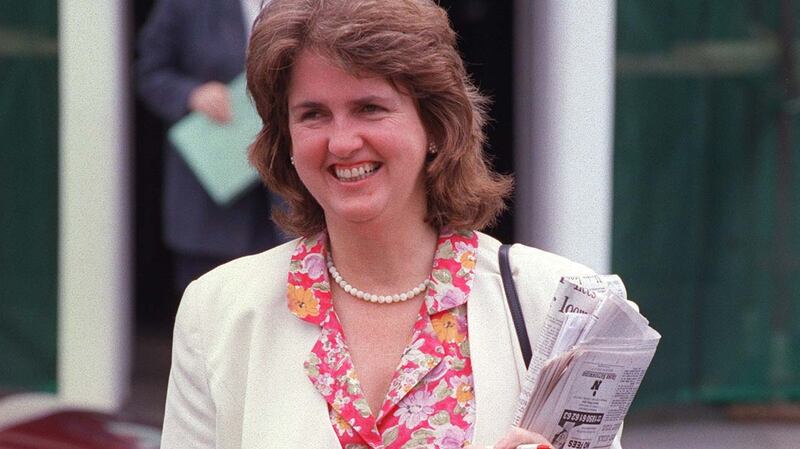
(358, 144)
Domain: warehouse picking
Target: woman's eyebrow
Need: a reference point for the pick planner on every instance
(367, 99)
(306, 105)
(374, 98)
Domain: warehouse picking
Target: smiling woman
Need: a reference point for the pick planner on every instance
(373, 133)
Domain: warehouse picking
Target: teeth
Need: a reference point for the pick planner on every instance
(356, 173)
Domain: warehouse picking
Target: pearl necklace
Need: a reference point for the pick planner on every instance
(371, 297)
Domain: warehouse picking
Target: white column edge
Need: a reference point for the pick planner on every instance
(564, 112)
(95, 263)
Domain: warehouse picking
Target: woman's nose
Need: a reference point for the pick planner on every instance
(344, 140)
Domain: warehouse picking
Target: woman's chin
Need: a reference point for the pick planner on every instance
(355, 216)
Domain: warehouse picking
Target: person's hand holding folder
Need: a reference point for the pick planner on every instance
(212, 99)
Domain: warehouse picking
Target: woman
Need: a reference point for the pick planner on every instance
(385, 324)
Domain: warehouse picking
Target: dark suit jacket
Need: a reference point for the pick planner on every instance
(184, 44)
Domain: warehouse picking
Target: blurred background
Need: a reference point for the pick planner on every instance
(656, 140)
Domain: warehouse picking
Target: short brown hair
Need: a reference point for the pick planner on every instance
(411, 44)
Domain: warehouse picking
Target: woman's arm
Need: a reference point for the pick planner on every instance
(162, 85)
(189, 418)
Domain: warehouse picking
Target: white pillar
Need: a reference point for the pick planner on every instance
(94, 344)
(564, 126)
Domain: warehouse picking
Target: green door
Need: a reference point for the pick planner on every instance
(706, 195)
(28, 194)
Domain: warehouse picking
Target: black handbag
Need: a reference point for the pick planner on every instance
(513, 303)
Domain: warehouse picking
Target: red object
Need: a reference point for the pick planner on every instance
(73, 429)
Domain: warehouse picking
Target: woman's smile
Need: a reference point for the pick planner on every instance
(356, 172)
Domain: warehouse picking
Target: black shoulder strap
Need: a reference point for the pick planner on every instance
(513, 303)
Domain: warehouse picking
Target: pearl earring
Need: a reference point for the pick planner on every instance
(291, 159)
(432, 148)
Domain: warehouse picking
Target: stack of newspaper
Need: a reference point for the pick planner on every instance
(588, 362)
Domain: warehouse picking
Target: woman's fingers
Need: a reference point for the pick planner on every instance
(518, 437)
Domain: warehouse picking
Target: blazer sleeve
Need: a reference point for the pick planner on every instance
(190, 415)
(162, 85)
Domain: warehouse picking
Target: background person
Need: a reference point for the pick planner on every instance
(189, 50)
(385, 323)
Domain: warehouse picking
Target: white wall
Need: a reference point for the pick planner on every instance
(94, 342)
(564, 86)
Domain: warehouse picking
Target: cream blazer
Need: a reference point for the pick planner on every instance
(237, 378)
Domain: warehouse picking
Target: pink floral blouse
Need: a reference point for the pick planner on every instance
(430, 402)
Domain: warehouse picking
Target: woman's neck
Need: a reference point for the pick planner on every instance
(385, 259)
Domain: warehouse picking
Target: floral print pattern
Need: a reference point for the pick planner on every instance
(430, 402)
(302, 301)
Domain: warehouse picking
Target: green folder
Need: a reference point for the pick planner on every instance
(217, 153)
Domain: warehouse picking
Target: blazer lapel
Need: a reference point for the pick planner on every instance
(497, 365)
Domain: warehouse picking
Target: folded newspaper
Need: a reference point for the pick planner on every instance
(587, 364)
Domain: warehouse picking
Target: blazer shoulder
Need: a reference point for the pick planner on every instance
(536, 274)
(241, 284)
(527, 257)
(527, 260)
(273, 259)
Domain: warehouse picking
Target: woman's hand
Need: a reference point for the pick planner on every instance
(517, 437)
(213, 100)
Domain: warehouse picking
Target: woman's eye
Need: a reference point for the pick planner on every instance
(369, 108)
(310, 115)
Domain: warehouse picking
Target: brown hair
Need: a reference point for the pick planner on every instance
(411, 44)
